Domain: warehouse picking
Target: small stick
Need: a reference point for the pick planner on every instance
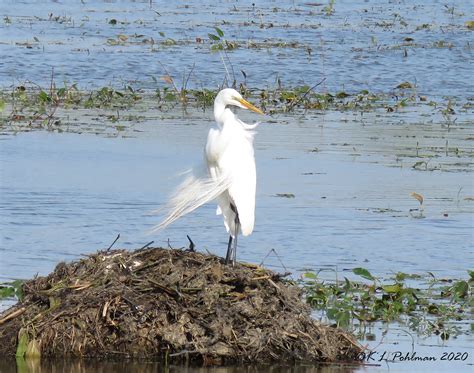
(113, 243)
(148, 244)
(230, 63)
(278, 257)
(261, 278)
(273, 283)
(189, 76)
(225, 66)
(12, 315)
(184, 352)
(51, 83)
(171, 78)
(191, 244)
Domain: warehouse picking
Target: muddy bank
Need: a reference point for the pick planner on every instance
(168, 305)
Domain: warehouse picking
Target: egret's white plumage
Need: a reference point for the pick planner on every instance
(231, 174)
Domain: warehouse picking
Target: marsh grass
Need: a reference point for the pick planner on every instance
(112, 109)
(34, 103)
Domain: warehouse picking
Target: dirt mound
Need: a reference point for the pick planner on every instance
(169, 305)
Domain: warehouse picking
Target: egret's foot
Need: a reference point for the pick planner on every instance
(229, 255)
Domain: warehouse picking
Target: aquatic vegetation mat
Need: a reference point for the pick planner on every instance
(169, 305)
(424, 304)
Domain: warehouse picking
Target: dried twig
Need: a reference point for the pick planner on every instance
(145, 246)
(12, 315)
(113, 243)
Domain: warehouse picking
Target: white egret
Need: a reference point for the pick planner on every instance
(230, 176)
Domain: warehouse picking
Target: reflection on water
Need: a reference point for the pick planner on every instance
(84, 366)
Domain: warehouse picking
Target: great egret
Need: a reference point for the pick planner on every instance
(230, 176)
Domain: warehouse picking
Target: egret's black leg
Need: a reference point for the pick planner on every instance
(228, 257)
(232, 245)
(234, 250)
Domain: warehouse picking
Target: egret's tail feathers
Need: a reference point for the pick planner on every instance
(191, 194)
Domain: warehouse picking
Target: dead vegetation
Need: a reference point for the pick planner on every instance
(168, 305)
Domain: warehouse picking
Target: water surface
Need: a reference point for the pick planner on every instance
(64, 195)
(362, 45)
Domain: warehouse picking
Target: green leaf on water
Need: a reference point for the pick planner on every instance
(392, 289)
(444, 335)
(342, 95)
(169, 42)
(7, 292)
(460, 289)
(214, 37)
(217, 47)
(310, 275)
(170, 96)
(219, 31)
(44, 97)
(12, 289)
(469, 25)
(331, 313)
(347, 284)
(61, 92)
(401, 276)
(471, 275)
(2, 105)
(18, 286)
(343, 318)
(362, 272)
(405, 85)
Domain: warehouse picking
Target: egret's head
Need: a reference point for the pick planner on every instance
(229, 96)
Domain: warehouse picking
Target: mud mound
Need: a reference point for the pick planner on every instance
(169, 305)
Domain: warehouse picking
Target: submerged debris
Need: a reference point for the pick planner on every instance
(169, 305)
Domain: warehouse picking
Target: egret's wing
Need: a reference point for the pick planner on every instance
(237, 161)
(242, 191)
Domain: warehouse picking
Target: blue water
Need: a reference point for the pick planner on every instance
(360, 46)
(65, 194)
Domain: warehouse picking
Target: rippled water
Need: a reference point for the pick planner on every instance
(67, 194)
(362, 45)
(64, 195)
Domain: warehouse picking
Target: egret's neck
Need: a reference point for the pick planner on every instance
(222, 114)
